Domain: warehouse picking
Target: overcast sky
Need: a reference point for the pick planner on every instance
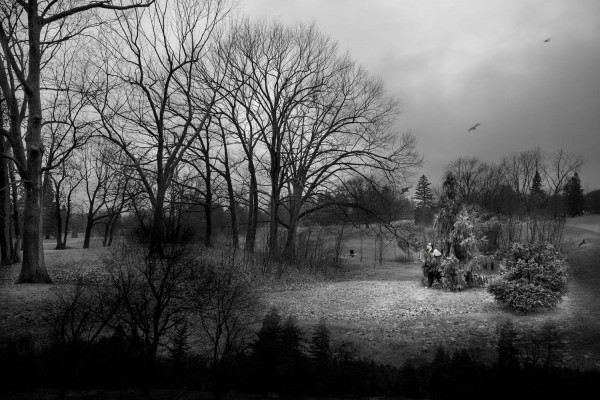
(456, 63)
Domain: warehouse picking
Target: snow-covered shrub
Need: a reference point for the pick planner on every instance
(534, 277)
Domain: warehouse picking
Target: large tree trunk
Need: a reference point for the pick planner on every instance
(33, 268)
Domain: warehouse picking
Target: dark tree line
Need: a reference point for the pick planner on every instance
(525, 182)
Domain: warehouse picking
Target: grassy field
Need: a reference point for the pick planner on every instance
(382, 309)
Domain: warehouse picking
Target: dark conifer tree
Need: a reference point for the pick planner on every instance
(424, 199)
(423, 192)
(319, 347)
(537, 195)
(574, 196)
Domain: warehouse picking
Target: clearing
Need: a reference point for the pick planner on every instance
(382, 309)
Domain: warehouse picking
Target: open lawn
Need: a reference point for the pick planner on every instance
(382, 309)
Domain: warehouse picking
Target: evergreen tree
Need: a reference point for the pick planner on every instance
(424, 199)
(320, 352)
(423, 193)
(574, 196)
(319, 346)
(592, 201)
(537, 195)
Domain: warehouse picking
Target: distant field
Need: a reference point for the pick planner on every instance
(381, 308)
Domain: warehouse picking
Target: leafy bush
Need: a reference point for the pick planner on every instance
(534, 277)
(456, 275)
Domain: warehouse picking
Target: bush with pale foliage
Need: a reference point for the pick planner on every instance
(534, 277)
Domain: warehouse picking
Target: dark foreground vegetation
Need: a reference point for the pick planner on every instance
(284, 361)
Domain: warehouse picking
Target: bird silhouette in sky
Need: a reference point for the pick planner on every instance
(473, 127)
(582, 243)
(547, 40)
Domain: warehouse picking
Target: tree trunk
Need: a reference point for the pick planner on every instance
(88, 228)
(5, 239)
(231, 195)
(67, 222)
(274, 211)
(274, 173)
(33, 268)
(289, 249)
(251, 226)
(111, 231)
(105, 236)
(59, 225)
(235, 241)
(208, 230)
(16, 247)
(157, 234)
(208, 204)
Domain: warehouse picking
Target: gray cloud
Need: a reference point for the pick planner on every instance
(453, 64)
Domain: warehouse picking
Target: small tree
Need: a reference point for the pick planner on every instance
(224, 305)
(424, 199)
(266, 350)
(320, 352)
(537, 195)
(152, 297)
(535, 277)
(574, 196)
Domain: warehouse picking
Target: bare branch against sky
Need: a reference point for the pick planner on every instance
(456, 64)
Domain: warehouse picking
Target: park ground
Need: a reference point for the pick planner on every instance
(383, 310)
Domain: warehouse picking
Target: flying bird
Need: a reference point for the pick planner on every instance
(473, 127)
(547, 40)
(582, 243)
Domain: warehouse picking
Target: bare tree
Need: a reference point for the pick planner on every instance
(105, 179)
(519, 169)
(314, 114)
(470, 174)
(31, 32)
(65, 183)
(145, 87)
(558, 167)
(152, 297)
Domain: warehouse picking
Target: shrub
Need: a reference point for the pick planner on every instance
(534, 277)
(459, 270)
